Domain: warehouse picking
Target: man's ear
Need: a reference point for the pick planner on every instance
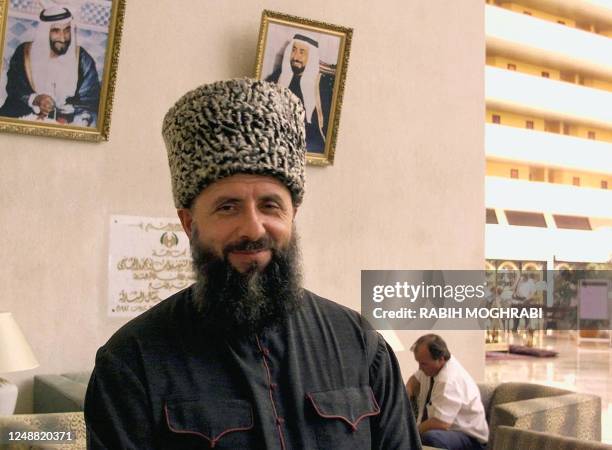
(186, 220)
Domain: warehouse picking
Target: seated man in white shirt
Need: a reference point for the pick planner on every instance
(451, 414)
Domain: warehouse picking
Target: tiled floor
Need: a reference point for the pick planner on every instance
(582, 368)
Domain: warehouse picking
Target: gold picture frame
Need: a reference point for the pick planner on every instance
(74, 98)
(285, 48)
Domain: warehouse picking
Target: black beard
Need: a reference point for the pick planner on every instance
(297, 70)
(60, 51)
(231, 302)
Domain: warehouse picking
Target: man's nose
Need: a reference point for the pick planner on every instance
(252, 226)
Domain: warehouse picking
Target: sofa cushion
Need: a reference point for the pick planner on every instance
(510, 438)
(60, 393)
(517, 391)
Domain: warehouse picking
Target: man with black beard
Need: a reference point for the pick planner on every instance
(245, 358)
(51, 77)
(230, 301)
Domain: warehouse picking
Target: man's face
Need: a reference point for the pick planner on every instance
(59, 38)
(427, 364)
(242, 218)
(245, 254)
(299, 57)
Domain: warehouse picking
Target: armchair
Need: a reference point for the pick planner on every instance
(515, 438)
(558, 413)
(535, 407)
(72, 422)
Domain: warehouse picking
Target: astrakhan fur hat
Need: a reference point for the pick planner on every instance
(230, 127)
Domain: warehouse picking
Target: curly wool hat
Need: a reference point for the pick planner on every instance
(235, 126)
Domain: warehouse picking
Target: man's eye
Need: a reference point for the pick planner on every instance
(227, 207)
(271, 205)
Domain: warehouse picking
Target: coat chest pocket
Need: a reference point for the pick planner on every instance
(198, 423)
(341, 417)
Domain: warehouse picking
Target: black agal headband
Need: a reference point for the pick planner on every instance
(301, 37)
(55, 17)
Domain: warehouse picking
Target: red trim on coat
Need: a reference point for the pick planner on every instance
(353, 425)
(212, 440)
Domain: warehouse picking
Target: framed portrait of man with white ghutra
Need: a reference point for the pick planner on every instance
(58, 66)
(309, 58)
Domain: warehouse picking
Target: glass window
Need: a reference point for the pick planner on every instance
(526, 219)
(491, 216)
(572, 222)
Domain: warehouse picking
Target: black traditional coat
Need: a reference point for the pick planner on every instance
(325, 380)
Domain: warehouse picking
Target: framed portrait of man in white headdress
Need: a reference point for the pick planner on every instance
(309, 58)
(58, 62)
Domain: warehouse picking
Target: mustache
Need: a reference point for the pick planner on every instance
(246, 245)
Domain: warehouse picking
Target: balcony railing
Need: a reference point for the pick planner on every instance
(507, 89)
(536, 39)
(521, 195)
(547, 149)
(545, 244)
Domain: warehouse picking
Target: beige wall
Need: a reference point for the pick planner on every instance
(406, 191)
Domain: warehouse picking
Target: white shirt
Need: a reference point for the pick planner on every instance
(455, 399)
(526, 289)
